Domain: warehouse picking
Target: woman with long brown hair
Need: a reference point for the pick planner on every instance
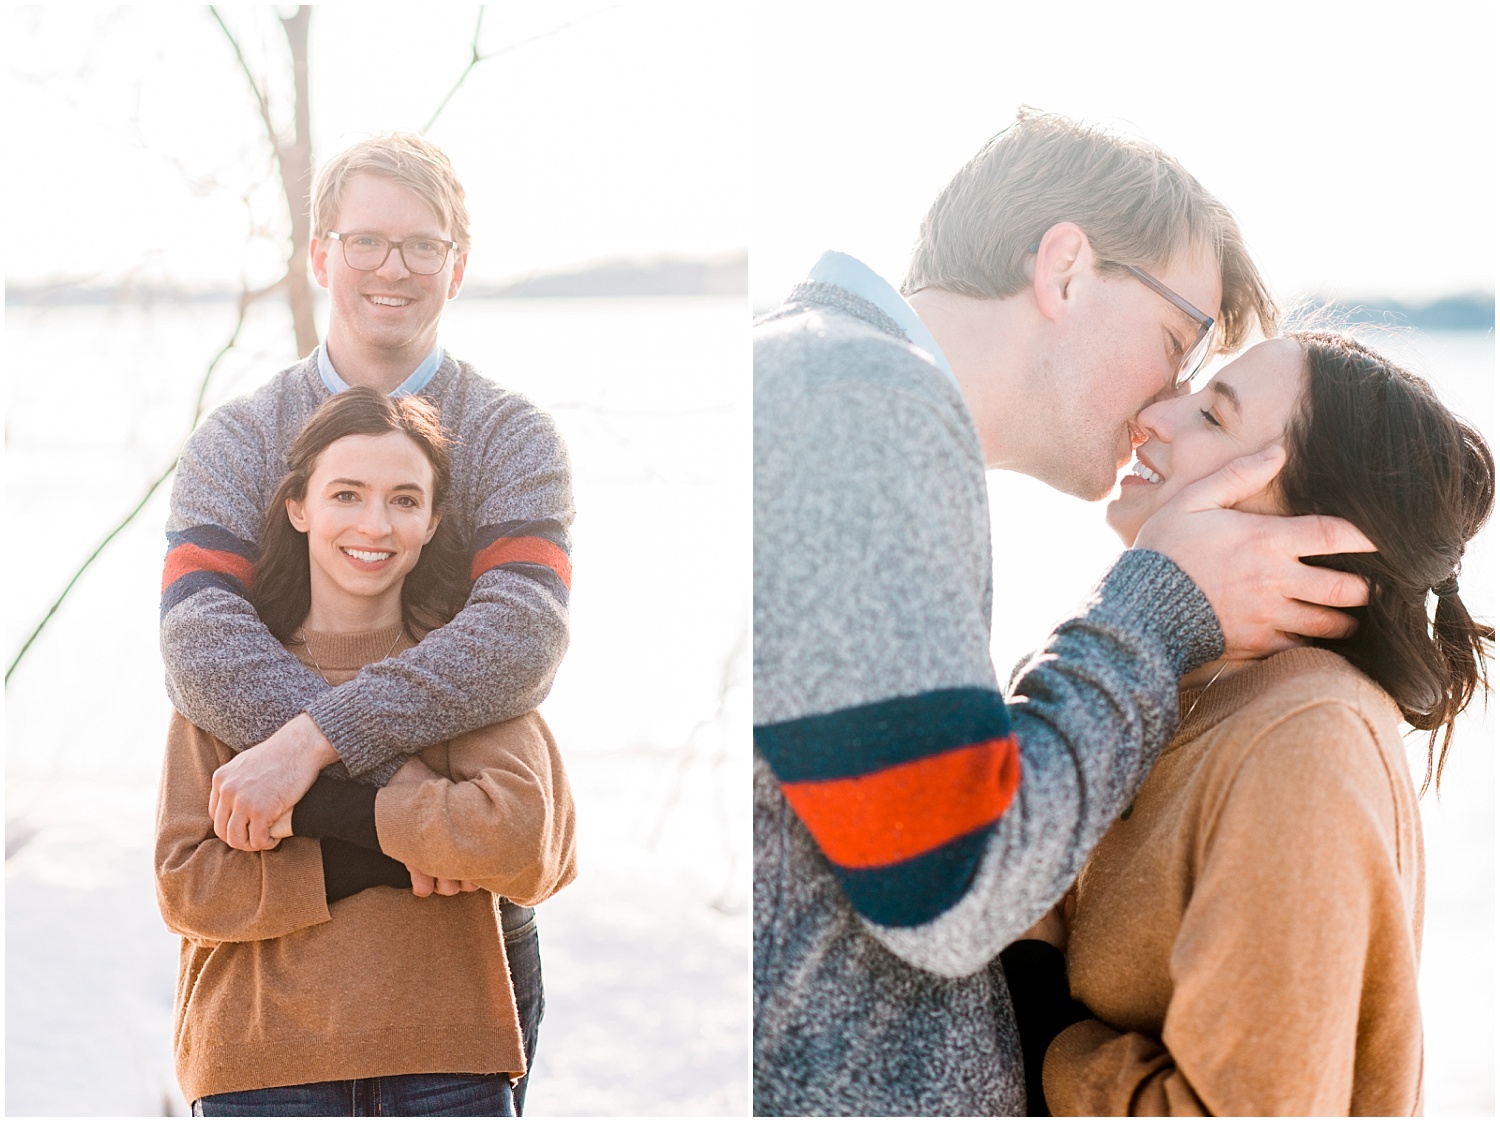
(1245, 938)
(313, 979)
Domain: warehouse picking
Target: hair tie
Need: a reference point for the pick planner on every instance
(1448, 587)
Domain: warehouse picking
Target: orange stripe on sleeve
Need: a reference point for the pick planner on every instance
(535, 551)
(189, 558)
(904, 811)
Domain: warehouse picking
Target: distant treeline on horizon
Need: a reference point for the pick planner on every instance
(725, 275)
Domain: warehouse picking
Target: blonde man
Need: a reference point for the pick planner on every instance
(909, 822)
(390, 243)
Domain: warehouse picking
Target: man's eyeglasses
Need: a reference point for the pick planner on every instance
(368, 252)
(1197, 352)
(1194, 357)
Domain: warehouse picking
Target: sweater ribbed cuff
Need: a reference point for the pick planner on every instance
(342, 718)
(1147, 591)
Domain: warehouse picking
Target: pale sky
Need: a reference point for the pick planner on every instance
(1355, 142)
(622, 134)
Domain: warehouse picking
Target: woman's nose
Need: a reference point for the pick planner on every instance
(373, 520)
(1156, 419)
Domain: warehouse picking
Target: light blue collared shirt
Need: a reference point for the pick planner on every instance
(853, 275)
(416, 383)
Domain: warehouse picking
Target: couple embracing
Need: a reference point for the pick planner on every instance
(365, 600)
(1174, 865)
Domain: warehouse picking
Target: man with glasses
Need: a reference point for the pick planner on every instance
(910, 822)
(391, 240)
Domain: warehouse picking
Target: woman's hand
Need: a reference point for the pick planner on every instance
(414, 771)
(424, 885)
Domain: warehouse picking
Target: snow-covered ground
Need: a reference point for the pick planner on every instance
(646, 955)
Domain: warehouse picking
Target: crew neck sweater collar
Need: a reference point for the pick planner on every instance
(336, 651)
(1200, 708)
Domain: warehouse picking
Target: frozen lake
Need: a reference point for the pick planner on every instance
(646, 955)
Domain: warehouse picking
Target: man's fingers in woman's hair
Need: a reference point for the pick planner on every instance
(1312, 535)
(1316, 585)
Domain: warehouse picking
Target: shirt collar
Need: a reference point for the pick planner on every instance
(415, 383)
(853, 275)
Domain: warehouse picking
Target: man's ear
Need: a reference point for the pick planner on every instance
(296, 514)
(460, 260)
(317, 252)
(1063, 255)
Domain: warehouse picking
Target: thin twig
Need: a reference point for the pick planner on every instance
(247, 298)
(475, 58)
(730, 677)
(261, 101)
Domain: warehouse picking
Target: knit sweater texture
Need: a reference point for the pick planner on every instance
(511, 501)
(909, 823)
(276, 987)
(1248, 936)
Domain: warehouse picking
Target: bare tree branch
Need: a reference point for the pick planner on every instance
(293, 165)
(260, 98)
(247, 298)
(475, 58)
(730, 676)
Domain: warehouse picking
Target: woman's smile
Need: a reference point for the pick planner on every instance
(367, 515)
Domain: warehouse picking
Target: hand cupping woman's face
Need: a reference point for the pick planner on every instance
(1247, 405)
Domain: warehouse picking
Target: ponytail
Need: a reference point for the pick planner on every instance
(1375, 446)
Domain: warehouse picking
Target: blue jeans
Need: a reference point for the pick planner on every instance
(485, 1096)
(523, 950)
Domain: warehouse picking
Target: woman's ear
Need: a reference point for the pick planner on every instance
(296, 514)
(437, 516)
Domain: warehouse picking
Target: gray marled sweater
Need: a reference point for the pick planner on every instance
(908, 822)
(513, 502)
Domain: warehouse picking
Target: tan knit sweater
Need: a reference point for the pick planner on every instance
(1248, 933)
(275, 987)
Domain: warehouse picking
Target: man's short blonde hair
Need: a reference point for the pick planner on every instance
(410, 160)
(1137, 205)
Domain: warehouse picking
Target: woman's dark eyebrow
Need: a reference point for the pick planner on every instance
(417, 487)
(1228, 392)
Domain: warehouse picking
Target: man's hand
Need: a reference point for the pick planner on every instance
(1248, 565)
(253, 790)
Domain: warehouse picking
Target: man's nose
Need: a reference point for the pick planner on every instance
(394, 265)
(1172, 392)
